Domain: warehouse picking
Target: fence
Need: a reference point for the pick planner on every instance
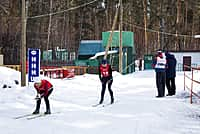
(63, 72)
(15, 67)
(58, 72)
(179, 66)
(190, 76)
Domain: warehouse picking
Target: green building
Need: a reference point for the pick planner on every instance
(47, 55)
(87, 49)
(148, 59)
(128, 50)
(60, 55)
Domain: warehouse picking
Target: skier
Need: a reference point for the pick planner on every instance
(105, 76)
(44, 89)
(160, 64)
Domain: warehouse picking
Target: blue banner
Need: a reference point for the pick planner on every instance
(33, 64)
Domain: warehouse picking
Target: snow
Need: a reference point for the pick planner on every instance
(197, 36)
(103, 53)
(136, 109)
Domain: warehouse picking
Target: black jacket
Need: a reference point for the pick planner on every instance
(171, 69)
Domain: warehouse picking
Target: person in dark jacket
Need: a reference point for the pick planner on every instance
(44, 89)
(105, 76)
(159, 64)
(170, 74)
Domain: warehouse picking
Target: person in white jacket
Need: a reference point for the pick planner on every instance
(160, 64)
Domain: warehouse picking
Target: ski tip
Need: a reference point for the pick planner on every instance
(95, 105)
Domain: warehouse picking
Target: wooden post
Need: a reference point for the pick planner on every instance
(191, 90)
(120, 37)
(184, 80)
(111, 34)
(23, 44)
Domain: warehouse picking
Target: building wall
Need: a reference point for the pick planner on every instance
(195, 58)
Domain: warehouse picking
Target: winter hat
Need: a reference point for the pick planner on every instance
(37, 79)
(159, 51)
(104, 61)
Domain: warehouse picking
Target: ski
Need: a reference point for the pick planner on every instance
(23, 116)
(96, 105)
(31, 116)
(36, 116)
(40, 115)
(107, 104)
(104, 105)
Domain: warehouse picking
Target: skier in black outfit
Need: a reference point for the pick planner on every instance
(105, 76)
(170, 74)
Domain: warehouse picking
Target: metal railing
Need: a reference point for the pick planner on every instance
(191, 78)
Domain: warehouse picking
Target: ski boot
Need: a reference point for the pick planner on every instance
(36, 112)
(112, 101)
(101, 101)
(47, 112)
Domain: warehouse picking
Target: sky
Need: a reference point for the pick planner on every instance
(136, 109)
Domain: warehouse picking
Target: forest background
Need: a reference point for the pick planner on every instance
(166, 24)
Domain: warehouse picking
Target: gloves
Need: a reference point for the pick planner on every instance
(38, 97)
(111, 79)
(41, 95)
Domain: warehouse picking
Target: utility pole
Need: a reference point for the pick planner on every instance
(23, 43)
(120, 37)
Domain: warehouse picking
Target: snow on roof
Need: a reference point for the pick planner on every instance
(103, 53)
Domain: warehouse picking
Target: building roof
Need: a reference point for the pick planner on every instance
(90, 47)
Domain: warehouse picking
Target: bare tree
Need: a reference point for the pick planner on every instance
(4, 5)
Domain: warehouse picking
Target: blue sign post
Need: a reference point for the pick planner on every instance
(33, 64)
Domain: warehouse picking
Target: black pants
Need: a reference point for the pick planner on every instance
(104, 82)
(171, 87)
(160, 83)
(46, 101)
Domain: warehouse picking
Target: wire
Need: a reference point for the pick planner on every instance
(136, 26)
(59, 12)
(156, 31)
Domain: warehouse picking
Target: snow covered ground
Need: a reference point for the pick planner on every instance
(136, 110)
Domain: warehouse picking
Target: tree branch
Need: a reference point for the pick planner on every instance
(4, 9)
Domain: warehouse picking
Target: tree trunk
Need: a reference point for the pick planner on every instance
(177, 24)
(49, 27)
(145, 26)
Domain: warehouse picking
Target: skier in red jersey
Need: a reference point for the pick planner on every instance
(44, 89)
(105, 76)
